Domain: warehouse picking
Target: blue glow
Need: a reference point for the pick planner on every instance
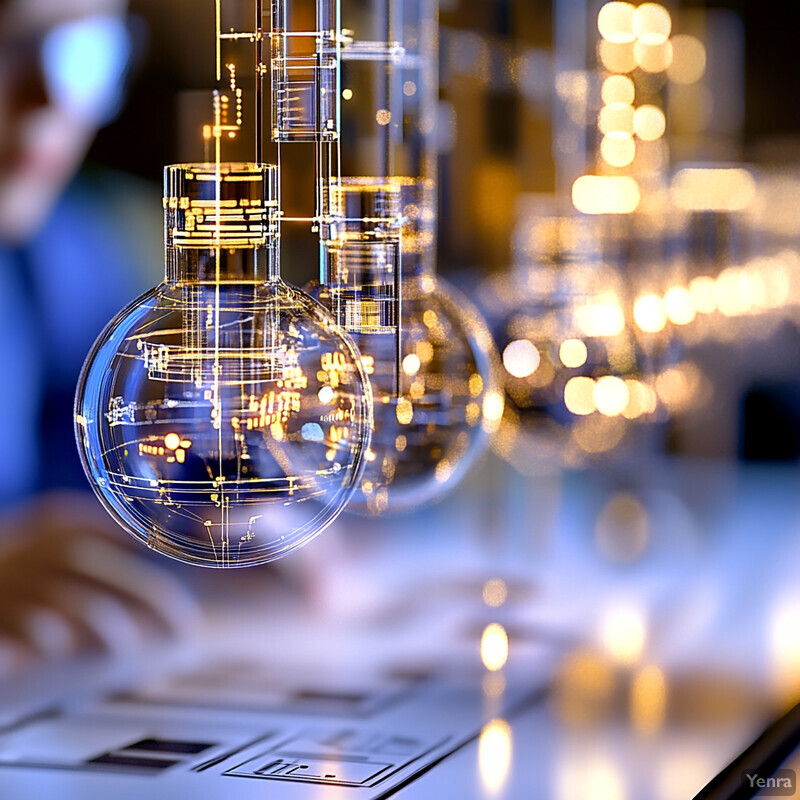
(312, 432)
(85, 64)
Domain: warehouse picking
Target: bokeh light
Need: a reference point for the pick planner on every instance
(649, 123)
(615, 21)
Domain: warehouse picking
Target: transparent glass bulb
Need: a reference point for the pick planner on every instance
(427, 437)
(223, 396)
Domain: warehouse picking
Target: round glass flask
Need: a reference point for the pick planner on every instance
(431, 357)
(214, 406)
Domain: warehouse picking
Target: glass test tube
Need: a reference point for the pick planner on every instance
(305, 70)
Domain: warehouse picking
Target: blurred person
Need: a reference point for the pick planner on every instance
(73, 251)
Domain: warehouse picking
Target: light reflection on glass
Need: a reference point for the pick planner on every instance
(494, 647)
(623, 632)
(593, 774)
(648, 700)
(784, 648)
(583, 688)
(494, 756)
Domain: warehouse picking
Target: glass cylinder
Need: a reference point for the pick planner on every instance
(305, 70)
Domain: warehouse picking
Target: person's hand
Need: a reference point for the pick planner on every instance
(70, 583)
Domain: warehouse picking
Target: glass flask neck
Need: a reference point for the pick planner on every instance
(221, 223)
(380, 226)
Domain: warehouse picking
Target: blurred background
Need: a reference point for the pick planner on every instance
(533, 96)
(619, 188)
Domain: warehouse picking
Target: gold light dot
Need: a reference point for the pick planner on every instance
(579, 396)
(521, 358)
(600, 318)
(494, 647)
(605, 194)
(384, 116)
(172, 441)
(618, 89)
(648, 700)
(679, 305)
(704, 294)
(674, 388)
(347, 94)
(493, 405)
(734, 292)
(616, 57)
(618, 152)
(411, 364)
(598, 434)
(653, 57)
(424, 351)
(652, 24)
(495, 592)
(429, 318)
(475, 384)
(616, 118)
(624, 633)
(381, 501)
(573, 353)
(611, 395)
(688, 59)
(404, 411)
(649, 123)
(495, 752)
(649, 313)
(642, 400)
(708, 189)
(615, 22)
(444, 470)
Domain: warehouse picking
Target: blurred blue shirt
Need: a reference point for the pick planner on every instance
(101, 247)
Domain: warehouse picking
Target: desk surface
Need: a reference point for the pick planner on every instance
(663, 600)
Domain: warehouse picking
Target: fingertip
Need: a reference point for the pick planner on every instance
(49, 633)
